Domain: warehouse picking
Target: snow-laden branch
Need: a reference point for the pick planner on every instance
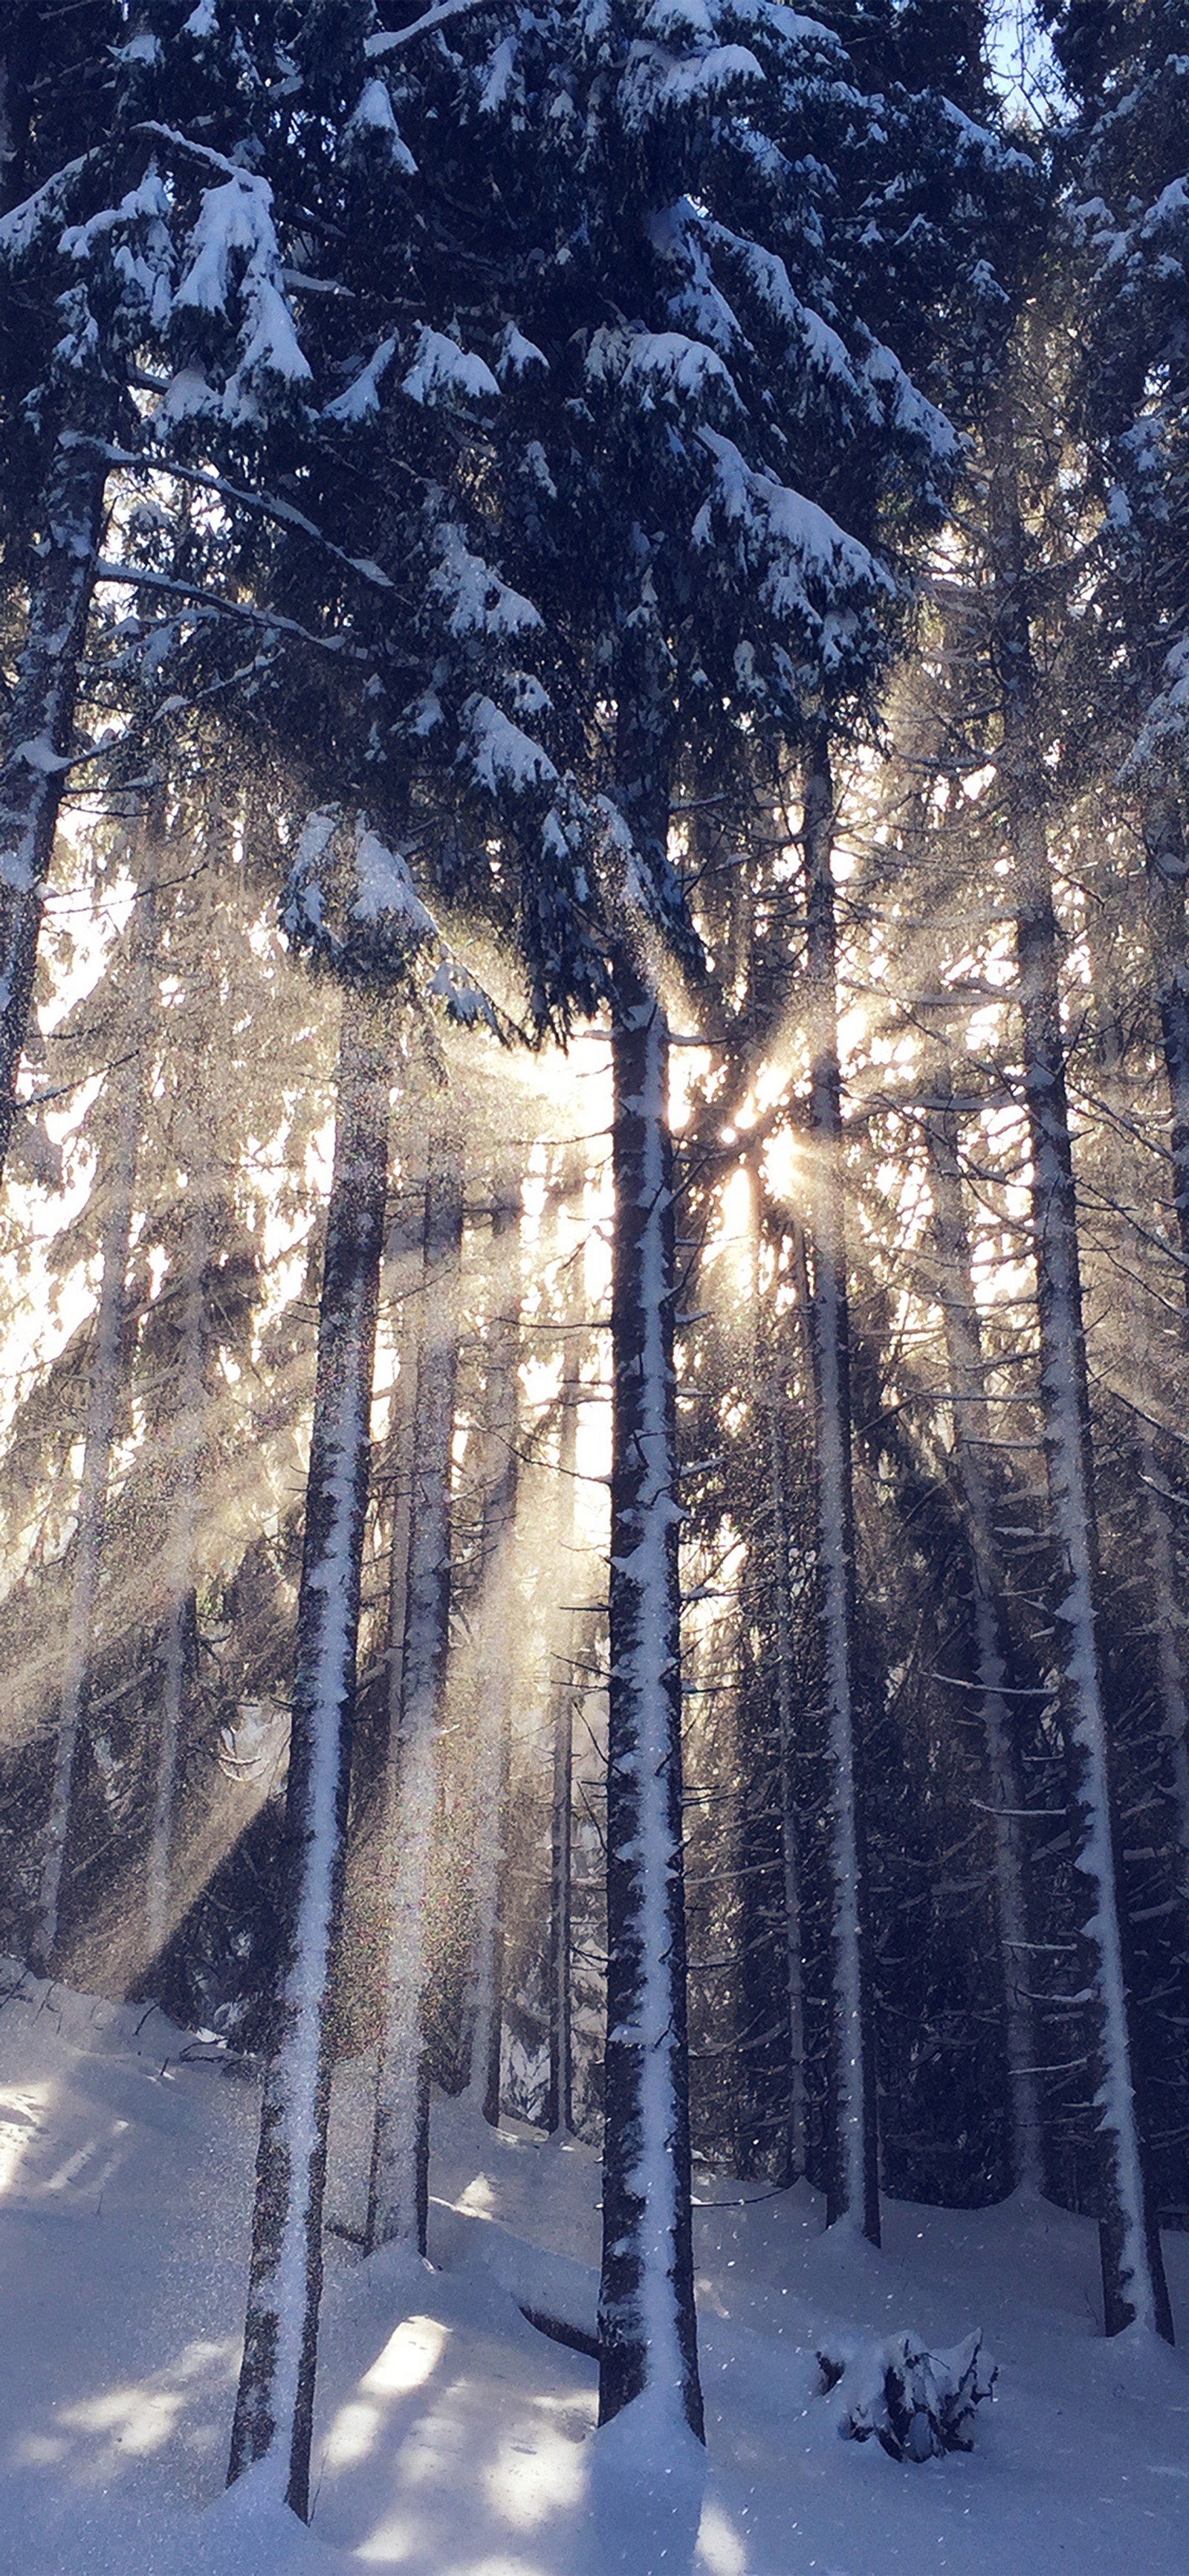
(20, 227)
(386, 42)
(266, 504)
(135, 578)
(203, 152)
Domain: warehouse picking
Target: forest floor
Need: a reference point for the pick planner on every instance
(453, 2438)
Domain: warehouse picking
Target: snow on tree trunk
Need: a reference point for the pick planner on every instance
(1170, 1670)
(274, 2406)
(559, 2096)
(1166, 865)
(1134, 2288)
(398, 2190)
(102, 1407)
(853, 2187)
(38, 731)
(785, 1705)
(496, 1661)
(964, 1354)
(191, 1411)
(1167, 870)
(647, 2330)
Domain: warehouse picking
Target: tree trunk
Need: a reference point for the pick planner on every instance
(37, 738)
(102, 1407)
(1134, 2287)
(971, 1440)
(181, 1578)
(275, 2402)
(1167, 871)
(647, 2328)
(495, 1679)
(1166, 918)
(853, 2189)
(559, 2097)
(794, 2157)
(397, 2198)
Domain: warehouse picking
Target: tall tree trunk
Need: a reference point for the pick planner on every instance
(1134, 2288)
(964, 1354)
(1168, 868)
(559, 2096)
(647, 2327)
(275, 2402)
(102, 1407)
(496, 1666)
(1166, 922)
(794, 2155)
(184, 1522)
(38, 731)
(853, 2190)
(397, 2198)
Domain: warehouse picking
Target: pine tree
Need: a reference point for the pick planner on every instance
(397, 2200)
(276, 2385)
(1126, 236)
(1133, 2279)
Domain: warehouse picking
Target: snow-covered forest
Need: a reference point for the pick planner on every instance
(594, 1111)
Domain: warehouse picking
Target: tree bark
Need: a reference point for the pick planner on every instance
(971, 1441)
(38, 732)
(275, 2402)
(495, 1680)
(1134, 2288)
(1168, 868)
(183, 1530)
(398, 2192)
(102, 1407)
(559, 2096)
(853, 2188)
(647, 2329)
(794, 2159)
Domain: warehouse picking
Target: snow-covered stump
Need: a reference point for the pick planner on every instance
(102, 1407)
(274, 2405)
(397, 2194)
(853, 2147)
(496, 1663)
(647, 2329)
(37, 737)
(971, 1432)
(917, 2404)
(1133, 2282)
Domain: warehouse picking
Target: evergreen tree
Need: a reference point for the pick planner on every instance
(276, 2385)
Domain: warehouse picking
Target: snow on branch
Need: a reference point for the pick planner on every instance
(23, 224)
(442, 372)
(656, 81)
(503, 758)
(387, 40)
(351, 905)
(480, 603)
(234, 238)
(208, 602)
(362, 397)
(657, 365)
(788, 540)
(374, 120)
(268, 505)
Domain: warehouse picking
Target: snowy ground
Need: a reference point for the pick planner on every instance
(454, 2440)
